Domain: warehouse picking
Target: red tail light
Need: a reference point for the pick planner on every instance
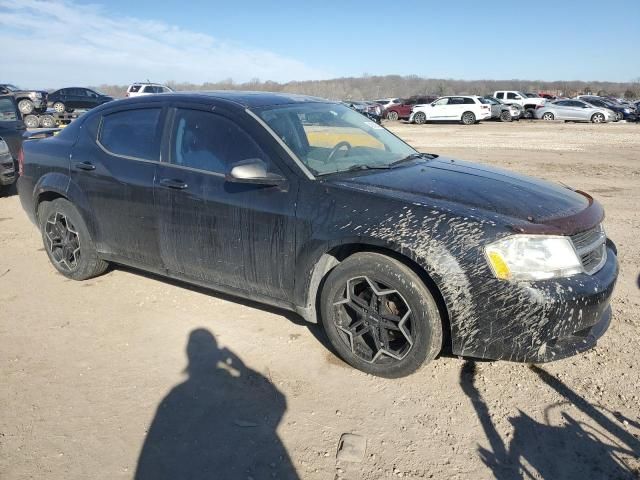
(20, 161)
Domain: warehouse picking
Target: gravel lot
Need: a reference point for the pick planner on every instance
(98, 382)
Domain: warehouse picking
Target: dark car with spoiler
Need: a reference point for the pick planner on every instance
(307, 205)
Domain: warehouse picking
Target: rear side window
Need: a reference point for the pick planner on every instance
(207, 141)
(7, 111)
(500, 95)
(469, 100)
(134, 88)
(132, 133)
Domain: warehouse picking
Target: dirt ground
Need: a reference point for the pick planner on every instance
(111, 376)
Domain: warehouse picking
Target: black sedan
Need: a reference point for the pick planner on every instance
(68, 99)
(307, 205)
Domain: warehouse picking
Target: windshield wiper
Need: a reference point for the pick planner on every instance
(359, 166)
(411, 157)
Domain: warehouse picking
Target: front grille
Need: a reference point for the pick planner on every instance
(591, 248)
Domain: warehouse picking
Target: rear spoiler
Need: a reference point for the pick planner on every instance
(41, 133)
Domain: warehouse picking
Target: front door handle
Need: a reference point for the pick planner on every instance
(85, 166)
(173, 183)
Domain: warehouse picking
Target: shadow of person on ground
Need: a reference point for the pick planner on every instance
(553, 452)
(218, 424)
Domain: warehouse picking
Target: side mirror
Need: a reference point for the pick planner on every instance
(253, 170)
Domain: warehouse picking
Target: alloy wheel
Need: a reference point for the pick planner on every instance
(598, 118)
(374, 321)
(547, 116)
(420, 118)
(62, 241)
(392, 116)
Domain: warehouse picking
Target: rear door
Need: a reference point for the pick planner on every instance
(213, 231)
(113, 163)
(455, 108)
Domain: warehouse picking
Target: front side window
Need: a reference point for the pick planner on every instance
(442, 101)
(132, 133)
(7, 111)
(330, 138)
(207, 141)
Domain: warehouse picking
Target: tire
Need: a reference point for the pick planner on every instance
(416, 338)
(528, 113)
(505, 116)
(67, 241)
(31, 121)
(548, 116)
(597, 118)
(420, 118)
(58, 107)
(468, 118)
(392, 116)
(25, 106)
(47, 121)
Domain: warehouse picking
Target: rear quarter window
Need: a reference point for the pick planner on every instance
(131, 133)
(134, 88)
(469, 101)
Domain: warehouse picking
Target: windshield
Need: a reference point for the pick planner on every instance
(330, 138)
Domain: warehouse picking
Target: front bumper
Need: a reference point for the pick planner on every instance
(538, 322)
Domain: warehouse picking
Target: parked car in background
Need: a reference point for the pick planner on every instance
(531, 95)
(502, 111)
(397, 253)
(372, 110)
(465, 109)
(11, 131)
(70, 98)
(622, 112)
(28, 101)
(529, 104)
(402, 110)
(547, 96)
(574, 110)
(388, 102)
(137, 89)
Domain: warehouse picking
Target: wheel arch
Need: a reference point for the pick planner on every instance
(326, 260)
(58, 185)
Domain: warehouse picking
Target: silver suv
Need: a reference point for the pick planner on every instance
(137, 89)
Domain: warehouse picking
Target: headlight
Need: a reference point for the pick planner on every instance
(532, 257)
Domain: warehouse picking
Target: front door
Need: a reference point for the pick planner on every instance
(216, 232)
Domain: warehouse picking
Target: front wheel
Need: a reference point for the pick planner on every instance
(468, 118)
(26, 106)
(528, 113)
(420, 118)
(58, 107)
(597, 118)
(379, 316)
(548, 116)
(505, 116)
(67, 241)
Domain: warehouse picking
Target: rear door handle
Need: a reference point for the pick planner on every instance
(173, 183)
(85, 166)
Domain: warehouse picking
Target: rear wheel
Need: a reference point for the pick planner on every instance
(468, 118)
(505, 116)
(25, 106)
(528, 113)
(379, 315)
(67, 241)
(548, 116)
(58, 107)
(597, 118)
(420, 118)
(392, 116)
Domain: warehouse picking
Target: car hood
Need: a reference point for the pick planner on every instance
(524, 199)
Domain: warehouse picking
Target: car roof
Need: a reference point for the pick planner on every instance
(249, 99)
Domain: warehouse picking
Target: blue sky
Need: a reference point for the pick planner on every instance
(119, 41)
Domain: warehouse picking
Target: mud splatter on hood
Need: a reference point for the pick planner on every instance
(475, 186)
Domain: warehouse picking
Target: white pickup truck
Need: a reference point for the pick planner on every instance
(529, 104)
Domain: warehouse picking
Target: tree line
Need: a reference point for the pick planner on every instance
(370, 87)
